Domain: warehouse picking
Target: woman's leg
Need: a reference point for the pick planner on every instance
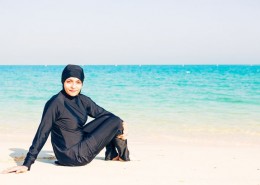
(121, 146)
(102, 132)
(106, 131)
(91, 126)
(111, 152)
(99, 133)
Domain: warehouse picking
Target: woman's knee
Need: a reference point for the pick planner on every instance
(116, 121)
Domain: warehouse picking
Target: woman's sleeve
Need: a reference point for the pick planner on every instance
(41, 136)
(96, 111)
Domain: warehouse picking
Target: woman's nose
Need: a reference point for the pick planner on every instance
(73, 85)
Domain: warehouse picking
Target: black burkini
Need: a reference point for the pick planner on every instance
(74, 142)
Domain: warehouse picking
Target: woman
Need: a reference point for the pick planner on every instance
(74, 142)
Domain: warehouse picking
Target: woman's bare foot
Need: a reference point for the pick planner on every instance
(121, 160)
(117, 158)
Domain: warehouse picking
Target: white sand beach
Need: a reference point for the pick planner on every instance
(153, 162)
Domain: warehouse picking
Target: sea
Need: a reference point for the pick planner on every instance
(157, 101)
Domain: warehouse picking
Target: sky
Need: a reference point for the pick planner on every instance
(129, 32)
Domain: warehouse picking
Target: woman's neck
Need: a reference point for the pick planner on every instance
(68, 96)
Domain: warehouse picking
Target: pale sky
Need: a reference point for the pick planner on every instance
(130, 32)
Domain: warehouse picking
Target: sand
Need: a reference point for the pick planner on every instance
(153, 162)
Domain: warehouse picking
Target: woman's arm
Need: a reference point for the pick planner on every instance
(93, 109)
(48, 117)
(96, 111)
(41, 136)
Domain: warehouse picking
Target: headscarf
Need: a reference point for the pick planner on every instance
(72, 71)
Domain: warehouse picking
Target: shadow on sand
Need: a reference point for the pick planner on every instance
(19, 154)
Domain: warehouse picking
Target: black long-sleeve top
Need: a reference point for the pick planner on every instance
(63, 117)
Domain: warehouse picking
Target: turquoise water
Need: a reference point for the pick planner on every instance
(174, 98)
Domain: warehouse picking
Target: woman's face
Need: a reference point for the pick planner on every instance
(72, 86)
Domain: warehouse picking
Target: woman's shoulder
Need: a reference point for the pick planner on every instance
(56, 99)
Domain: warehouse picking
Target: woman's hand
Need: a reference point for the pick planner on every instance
(16, 169)
(125, 132)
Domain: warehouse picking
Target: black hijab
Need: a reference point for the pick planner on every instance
(72, 71)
